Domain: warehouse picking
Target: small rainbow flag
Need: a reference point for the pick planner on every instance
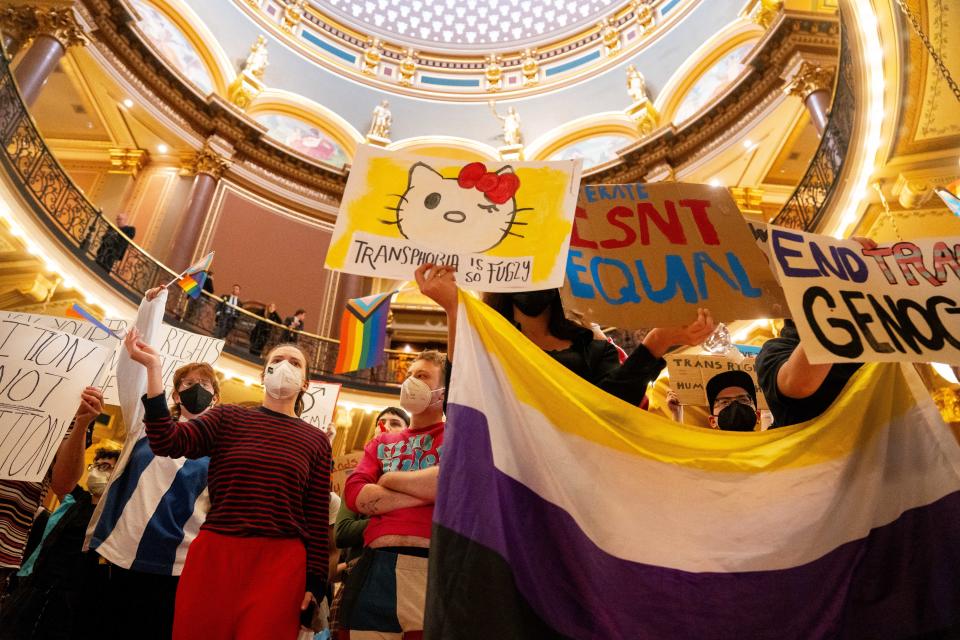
(76, 311)
(363, 331)
(192, 284)
(952, 201)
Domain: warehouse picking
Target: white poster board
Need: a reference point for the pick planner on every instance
(42, 373)
(319, 403)
(898, 302)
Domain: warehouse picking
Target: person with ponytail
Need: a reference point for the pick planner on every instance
(259, 565)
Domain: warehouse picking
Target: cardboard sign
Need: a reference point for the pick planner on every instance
(42, 373)
(319, 403)
(897, 303)
(503, 224)
(689, 376)
(343, 466)
(177, 347)
(651, 254)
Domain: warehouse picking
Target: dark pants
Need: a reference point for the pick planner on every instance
(141, 604)
(225, 325)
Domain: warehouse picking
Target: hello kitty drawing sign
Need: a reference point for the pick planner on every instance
(503, 224)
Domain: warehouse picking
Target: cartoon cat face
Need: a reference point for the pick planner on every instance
(471, 213)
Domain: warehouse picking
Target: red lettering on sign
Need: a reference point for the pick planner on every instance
(629, 235)
(575, 239)
(671, 227)
(699, 209)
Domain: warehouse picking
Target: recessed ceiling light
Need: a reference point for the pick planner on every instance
(162, 148)
(715, 182)
(128, 103)
(747, 143)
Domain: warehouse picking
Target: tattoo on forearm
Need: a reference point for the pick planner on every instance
(371, 506)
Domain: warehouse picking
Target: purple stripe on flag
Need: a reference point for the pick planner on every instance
(903, 579)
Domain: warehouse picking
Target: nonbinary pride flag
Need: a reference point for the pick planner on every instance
(564, 512)
(363, 331)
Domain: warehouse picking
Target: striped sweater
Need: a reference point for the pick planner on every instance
(269, 474)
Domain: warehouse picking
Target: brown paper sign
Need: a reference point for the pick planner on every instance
(651, 254)
(689, 376)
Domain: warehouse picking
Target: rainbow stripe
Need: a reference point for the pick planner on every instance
(192, 284)
(363, 331)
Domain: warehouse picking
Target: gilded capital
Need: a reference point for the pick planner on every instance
(766, 12)
(25, 22)
(127, 161)
(206, 161)
(811, 77)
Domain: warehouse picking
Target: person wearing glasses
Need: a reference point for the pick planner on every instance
(732, 396)
(154, 506)
(58, 586)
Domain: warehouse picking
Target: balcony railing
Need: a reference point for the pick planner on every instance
(806, 206)
(81, 227)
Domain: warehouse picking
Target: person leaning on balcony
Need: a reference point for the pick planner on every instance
(114, 245)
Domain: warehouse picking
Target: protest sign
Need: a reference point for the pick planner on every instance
(689, 376)
(343, 466)
(80, 329)
(319, 403)
(42, 373)
(503, 225)
(651, 254)
(177, 347)
(897, 302)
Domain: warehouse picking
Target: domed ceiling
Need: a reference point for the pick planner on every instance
(479, 24)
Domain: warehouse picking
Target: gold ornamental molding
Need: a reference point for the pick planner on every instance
(416, 70)
(670, 147)
(127, 161)
(809, 79)
(206, 161)
(25, 22)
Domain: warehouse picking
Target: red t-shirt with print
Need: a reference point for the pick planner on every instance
(409, 450)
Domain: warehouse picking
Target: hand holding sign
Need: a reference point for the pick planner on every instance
(437, 282)
(91, 406)
(659, 340)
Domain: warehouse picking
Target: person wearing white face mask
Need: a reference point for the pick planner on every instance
(259, 565)
(396, 484)
(54, 595)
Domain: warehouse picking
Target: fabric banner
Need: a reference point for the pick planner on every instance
(42, 374)
(689, 375)
(898, 302)
(652, 254)
(564, 512)
(503, 224)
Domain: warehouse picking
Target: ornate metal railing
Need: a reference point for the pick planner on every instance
(60, 205)
(806, 206)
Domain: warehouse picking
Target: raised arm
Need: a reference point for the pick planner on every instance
(68, 463)
(439, 283)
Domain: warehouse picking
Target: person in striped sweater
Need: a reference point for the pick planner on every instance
(260, 561)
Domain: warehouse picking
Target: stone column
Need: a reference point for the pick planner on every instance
(53, 31)
(812, 84)
(208, 165)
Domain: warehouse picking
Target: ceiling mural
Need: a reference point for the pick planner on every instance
(713, 82)
(593, 151)
(490, 23)
(173, 45)
(304, 138)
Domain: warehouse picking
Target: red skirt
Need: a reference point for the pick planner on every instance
(236, 588)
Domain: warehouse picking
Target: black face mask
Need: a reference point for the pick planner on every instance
(195, 399)
(737, 416)
(533, 303)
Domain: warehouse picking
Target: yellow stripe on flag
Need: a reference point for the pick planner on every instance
(875, 395)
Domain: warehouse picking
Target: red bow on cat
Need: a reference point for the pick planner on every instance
(497, 187)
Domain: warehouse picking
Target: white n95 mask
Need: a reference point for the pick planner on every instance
(282, 380)
(416, 396)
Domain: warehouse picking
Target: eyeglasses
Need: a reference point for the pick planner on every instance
(100, 466)
(186, 383)
(722, 403)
